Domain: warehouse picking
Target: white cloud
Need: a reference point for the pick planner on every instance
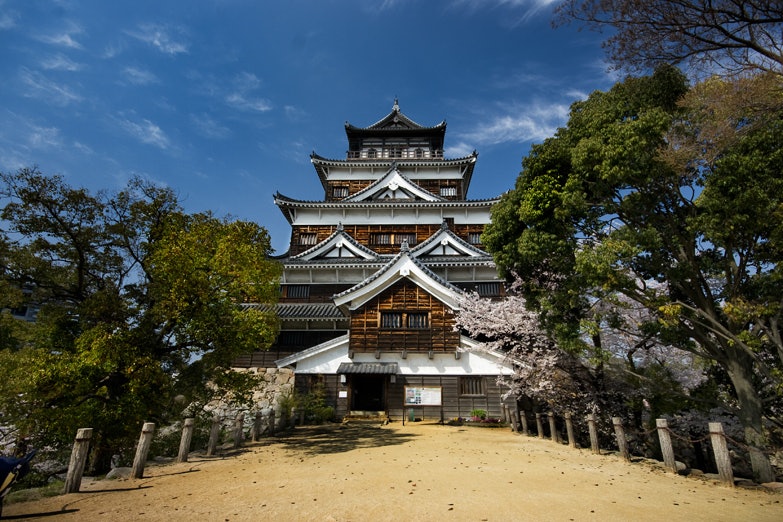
(208, 127)
(519, 124)
(526, 8)
(8, 19)
(146, 132)
(138, 76)
(44, 137)
(242, 96)
(59, 62)
(38, 86)
(159, 36)
(242, 102)
(65, 38)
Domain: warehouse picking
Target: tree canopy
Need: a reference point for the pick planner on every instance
(731, 35)
(653, 194)
(138, 304)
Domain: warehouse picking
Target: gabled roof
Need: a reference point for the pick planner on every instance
(402, 266)
(339, 245)
(446, 243)
(393, 186)
(315, 350)
(395, 120)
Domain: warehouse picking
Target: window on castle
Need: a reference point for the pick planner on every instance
(418, 320)
(472, 386)
(448, 191)
(400, 238)
(474, 238)
(372, 153)
(340, 192)
(308, 239)
(385, 238)
(298, 291)
(391, 320)
(419, 152)
(488, 289)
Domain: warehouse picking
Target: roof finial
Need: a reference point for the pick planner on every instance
(444, 224)
(396, 107)
(340, 226)
(404, 246)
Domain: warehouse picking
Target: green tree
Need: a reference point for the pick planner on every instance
(138, 305)
(636, 197)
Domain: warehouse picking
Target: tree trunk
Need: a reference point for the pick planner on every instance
(740, 370)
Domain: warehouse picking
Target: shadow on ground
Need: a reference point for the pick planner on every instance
(325, 439)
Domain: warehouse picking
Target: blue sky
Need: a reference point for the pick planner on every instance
(224, 100)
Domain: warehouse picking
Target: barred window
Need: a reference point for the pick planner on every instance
(472, 386)
(340, 192)
(381, 239)
(400, 238)
(298, 291)
(308, 239)
(372, 153)
(391, 320)
(474, 238)
(291, 338)
(418, 320)
(488, 289)
(448, 191)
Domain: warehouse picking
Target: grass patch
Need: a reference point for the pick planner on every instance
(26, 495)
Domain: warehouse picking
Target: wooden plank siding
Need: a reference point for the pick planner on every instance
(363, 234)
(453, 405)
(367, 335)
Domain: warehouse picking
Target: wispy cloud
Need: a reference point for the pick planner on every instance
(138, 76)
(242, 96)
(146, 132)
(64, 38)
(8, 19)
(208, 127)
(525, 9)
(161, 38)
(60, 62)
(521, 123)
(38, 86)
(44, 137)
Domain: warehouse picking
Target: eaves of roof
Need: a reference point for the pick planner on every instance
(300, 311)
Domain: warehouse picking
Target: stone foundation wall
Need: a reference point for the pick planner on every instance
(269, 403)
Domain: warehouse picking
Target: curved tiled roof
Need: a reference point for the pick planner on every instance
(290, 311)
(403, 162)
(387, 178)
(395, 113)
(404, 252)
(338, 232)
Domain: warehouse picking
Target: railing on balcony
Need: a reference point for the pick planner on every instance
(376, 154)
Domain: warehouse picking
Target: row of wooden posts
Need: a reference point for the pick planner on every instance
(81, 446)
(519, 421)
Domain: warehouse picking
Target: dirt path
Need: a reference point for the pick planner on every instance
(412, 472)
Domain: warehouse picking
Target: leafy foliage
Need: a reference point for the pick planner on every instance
(138, 305)
(664, 203)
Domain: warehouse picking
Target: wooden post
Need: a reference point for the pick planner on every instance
(570, 429)
(593, 434)
(506, 416)
(515, 419)
(142, 449)
(665, 439)
(552, 427)
(255, 431)
(523, 419)
(721, 451)
(539, 426)
(271, 424)
(214, 435)
(184, 442)
(239, 428)
(622, 444)
(73, 480)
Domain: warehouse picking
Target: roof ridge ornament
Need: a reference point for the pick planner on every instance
(444, 224)
(404, 246)
(396, 106)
